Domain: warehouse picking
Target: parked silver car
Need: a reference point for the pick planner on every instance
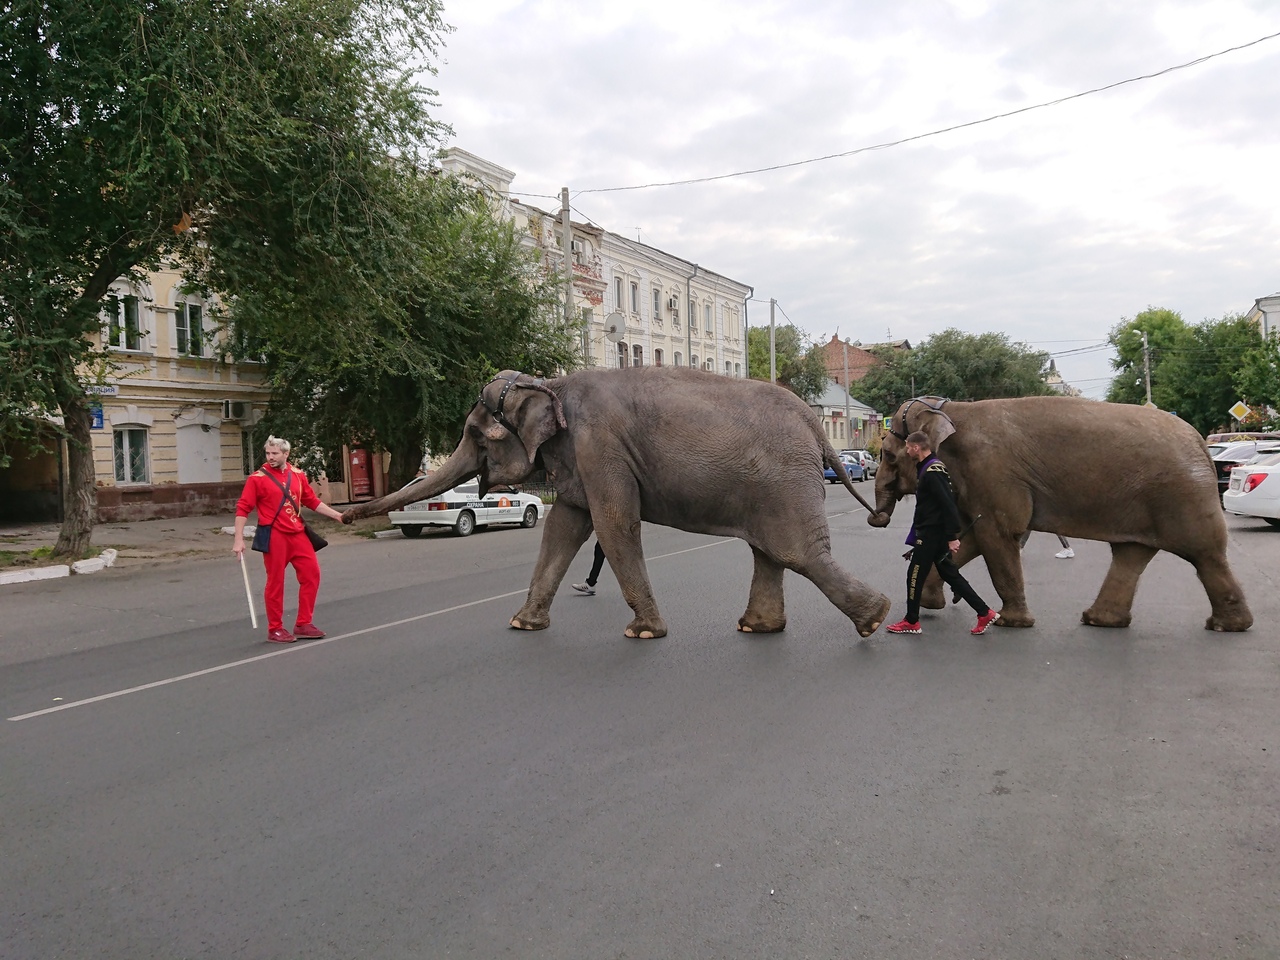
(867, 461)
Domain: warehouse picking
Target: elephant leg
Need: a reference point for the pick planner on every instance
(1004, 565)
(766, 608)
(563, 534)
(1113, 606)
(1230, 610)
(615, 511)
(867, 608)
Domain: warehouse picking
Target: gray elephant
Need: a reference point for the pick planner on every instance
(679, 447)
(1136, 478)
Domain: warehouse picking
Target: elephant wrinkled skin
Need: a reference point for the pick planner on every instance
(1136, 478)
(679, 447)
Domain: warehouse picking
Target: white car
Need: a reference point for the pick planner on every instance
(464, 509)
(1254, 489)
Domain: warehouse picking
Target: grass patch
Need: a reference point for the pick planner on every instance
(41, 557)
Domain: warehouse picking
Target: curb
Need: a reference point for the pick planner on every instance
(105, 559)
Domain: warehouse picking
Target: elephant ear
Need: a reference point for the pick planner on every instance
(539, 418)
(925, 414)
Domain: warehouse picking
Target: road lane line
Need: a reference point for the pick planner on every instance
(309, 645)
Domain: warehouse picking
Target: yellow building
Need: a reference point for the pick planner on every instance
(173, 422)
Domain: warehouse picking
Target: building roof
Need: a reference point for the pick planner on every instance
(833, 398)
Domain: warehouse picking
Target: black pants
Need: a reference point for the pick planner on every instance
(596, 566)
(931, 551)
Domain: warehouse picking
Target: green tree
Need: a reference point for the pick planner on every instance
(247, 138)
(1257, 381)
(1163, 328)
(478, 304)
(799, 364)
(1197, 374)
(956, 365)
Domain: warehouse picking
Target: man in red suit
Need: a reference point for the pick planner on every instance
(278, 492)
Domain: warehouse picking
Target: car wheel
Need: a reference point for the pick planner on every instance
(530, 517)
(411, 530)
(465, 524)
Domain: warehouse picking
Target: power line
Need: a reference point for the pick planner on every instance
(934, 133)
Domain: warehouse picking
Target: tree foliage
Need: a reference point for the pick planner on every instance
(263, 126)
(1257, 380)
(477, 302)
(1195, 369)
(800, 365)
(956, 365)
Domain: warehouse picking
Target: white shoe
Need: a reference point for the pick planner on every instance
(585, 588)
(1066, 554)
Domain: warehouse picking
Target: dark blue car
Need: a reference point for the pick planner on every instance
(851, 466)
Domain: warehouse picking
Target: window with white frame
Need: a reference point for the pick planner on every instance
(678, 359)
(637, 355)
(189, 327)
(657, 357)
(693, 314)
(707, 314)
(709, 365)
(737, 370)
(693, 361)
(622, 353)
(120, 322)
(617, 293)
(635, 298)
(728, 368)
(129, 446)
(657, 305)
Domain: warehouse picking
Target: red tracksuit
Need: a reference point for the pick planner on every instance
(288, 543)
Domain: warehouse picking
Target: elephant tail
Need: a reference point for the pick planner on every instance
(832, 459)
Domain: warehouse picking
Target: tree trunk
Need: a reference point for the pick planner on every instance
(79, 499)
(406, 458)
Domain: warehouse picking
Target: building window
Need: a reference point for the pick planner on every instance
(121, 319)
(190, 330)
(693, 361)
(657, 358)
(622, 353)
(709, 365)
(706, 312)
(737, 370)
(679, 359)
(635, 298)
(617, 293)
(657, 305)
(637, 356)
(693, 314)
(728, 368)
(130, 448)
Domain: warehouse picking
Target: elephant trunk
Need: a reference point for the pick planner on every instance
(884, 509)
(461, 466)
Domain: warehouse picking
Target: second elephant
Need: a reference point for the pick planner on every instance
(1050, 464)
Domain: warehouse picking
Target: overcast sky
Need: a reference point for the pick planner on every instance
(1050, 226)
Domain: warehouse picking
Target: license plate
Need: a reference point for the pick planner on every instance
(1236, 483)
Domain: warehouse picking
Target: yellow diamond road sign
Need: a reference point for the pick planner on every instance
(1239, 411)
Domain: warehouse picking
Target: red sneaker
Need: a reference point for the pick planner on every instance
(308, 631)
(280, 635)
(904, 626)
(984, 621)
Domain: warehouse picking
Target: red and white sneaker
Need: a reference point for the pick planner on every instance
(904, 626)
(984, 621)
(279, 635)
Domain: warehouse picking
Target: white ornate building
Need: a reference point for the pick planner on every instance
(665, 310)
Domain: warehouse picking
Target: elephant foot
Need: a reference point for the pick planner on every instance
(750, 624)
(1094, 617)
(527, 620)
(932, 598)
(1015, 618)
(639, 629)
(1234, 624)
(869, 626)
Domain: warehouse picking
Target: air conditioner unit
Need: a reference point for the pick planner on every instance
(236, 410)
(577, 246)
(673, 305)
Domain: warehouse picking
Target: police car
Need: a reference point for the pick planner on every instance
(464, 509)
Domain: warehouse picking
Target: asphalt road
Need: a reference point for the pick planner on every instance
(429, 783)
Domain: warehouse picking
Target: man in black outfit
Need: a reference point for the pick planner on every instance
(589, 588)
(934, 537)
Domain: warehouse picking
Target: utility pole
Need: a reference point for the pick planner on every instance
(848, 432)
(1146, 366)
(567, 230)
(773, 365)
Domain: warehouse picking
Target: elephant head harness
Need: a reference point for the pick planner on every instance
(933, 403)
(508, 383)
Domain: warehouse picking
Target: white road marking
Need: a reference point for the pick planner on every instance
(309, 645)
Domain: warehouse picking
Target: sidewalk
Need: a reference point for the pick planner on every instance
(155, 541)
